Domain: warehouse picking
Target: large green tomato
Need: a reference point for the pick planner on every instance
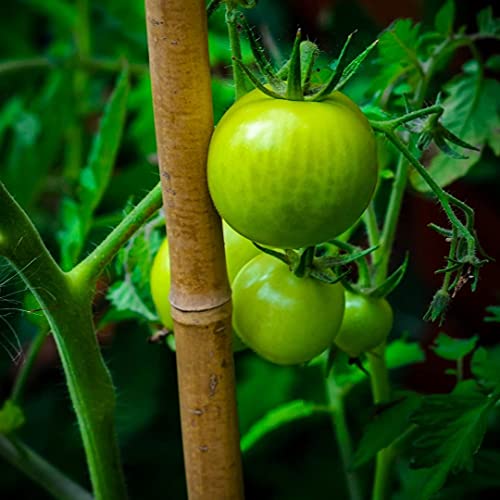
(366, 324)
(285, 319)
(238, 250)
(291, 174)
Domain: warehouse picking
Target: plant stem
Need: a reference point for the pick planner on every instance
(370, 220)
(46, 475)
(90, 268)
(240, 80)
(335, 400)
(383, 253)
(31, 355)
(84, 63)
(379, 377)
(67, 306)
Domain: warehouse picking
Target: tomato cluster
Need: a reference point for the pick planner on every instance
(288, 174)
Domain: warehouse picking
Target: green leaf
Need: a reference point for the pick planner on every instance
(445, 18)
(401, 352)
(276, 418)
(124, 297)
(485, 366)
(453, 349)
(495, 314)
(451, 428)
(385, 427)
(486, 23)
(11, 417)
(472, 113)
(95, 177)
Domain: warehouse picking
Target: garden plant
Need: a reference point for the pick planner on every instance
(202, 216)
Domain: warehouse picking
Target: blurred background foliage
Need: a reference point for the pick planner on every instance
(59, 61)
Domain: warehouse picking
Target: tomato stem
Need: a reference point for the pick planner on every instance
(335, 398)
(91, 267)
(240, 81)
(66, 303)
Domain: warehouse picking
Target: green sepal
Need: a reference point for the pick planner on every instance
(294, 87)
(273, 253)
(391, 282)
(354, 65)
(309, 52)
(335, 77)
(438, 306)
(256, 82)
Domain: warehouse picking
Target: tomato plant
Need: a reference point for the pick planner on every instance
(289, 165)
(366, 324)
(239, 251)
(292, 173)
(285, 319)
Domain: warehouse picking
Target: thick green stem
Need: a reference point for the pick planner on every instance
(31, 355)
(46, 475)
(335, 398)
(67, 305)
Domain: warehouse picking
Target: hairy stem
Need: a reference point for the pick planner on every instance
(67, 306)
(90, 268)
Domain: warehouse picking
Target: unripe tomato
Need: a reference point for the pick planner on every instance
(291, 174)
(286, 319)
(238, 250)
(367, 323)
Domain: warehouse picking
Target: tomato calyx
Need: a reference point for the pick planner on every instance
(322, 262)
(298, 69)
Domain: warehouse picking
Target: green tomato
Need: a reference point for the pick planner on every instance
(285, 319)
(291, 174)
(238, 250)
(367, 323)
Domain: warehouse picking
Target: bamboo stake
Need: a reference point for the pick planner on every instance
(200, 294)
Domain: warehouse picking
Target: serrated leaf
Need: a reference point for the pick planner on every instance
(11, 417)
(94, 178)
(124, 297)
(472, 113)
(276, 418)
(398, 42)
(445, 18)
(385, 427)
(453, 349)
(451, 428)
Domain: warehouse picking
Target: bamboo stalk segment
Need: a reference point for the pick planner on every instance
(200, 294)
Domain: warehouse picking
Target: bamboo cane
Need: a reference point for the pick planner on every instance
(200, 294)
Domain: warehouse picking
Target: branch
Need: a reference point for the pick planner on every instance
(67, 306)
